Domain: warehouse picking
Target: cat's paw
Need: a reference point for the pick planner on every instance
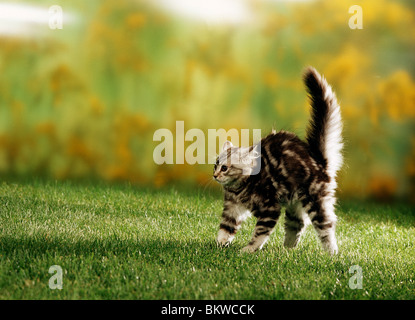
(224, 239)
(332, 249)
(248, 249)
(222, 243)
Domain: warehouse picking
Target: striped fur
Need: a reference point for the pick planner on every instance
(299, 175)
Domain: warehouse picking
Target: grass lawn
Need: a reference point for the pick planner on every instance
(120, 242)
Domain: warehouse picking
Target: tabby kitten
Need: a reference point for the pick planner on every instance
(300, 175)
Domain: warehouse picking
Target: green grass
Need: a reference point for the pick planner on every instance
(120, 242)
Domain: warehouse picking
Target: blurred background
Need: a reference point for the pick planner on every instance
(84, 101)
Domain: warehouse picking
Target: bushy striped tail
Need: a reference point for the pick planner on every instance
(324, 133)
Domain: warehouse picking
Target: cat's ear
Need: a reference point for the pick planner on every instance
(227, 145)
(255, 151)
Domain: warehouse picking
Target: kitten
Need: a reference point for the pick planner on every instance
(300, 175)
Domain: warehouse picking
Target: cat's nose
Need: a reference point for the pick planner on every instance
(215, 176)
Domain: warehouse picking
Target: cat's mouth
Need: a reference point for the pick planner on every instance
(219, 179)
(223, 180)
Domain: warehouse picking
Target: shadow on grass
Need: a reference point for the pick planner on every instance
(400, 214)
(111, 246)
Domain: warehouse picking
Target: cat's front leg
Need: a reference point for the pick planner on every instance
(267, 219)
(232, 218)
(225, 237)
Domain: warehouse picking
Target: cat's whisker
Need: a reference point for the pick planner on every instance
(207, 184)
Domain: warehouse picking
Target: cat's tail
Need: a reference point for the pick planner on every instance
(324, 133)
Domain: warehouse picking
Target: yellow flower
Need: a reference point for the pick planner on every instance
(136, 20)
(270, 78)
(383, 187)
(398, 95)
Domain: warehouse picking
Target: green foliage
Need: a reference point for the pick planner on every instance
(84, 101)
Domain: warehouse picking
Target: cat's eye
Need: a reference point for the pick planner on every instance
(224, 168)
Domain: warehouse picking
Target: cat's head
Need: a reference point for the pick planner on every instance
(234, 164)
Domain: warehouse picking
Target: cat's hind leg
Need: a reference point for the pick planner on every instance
(323, 218)
(294, 224)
